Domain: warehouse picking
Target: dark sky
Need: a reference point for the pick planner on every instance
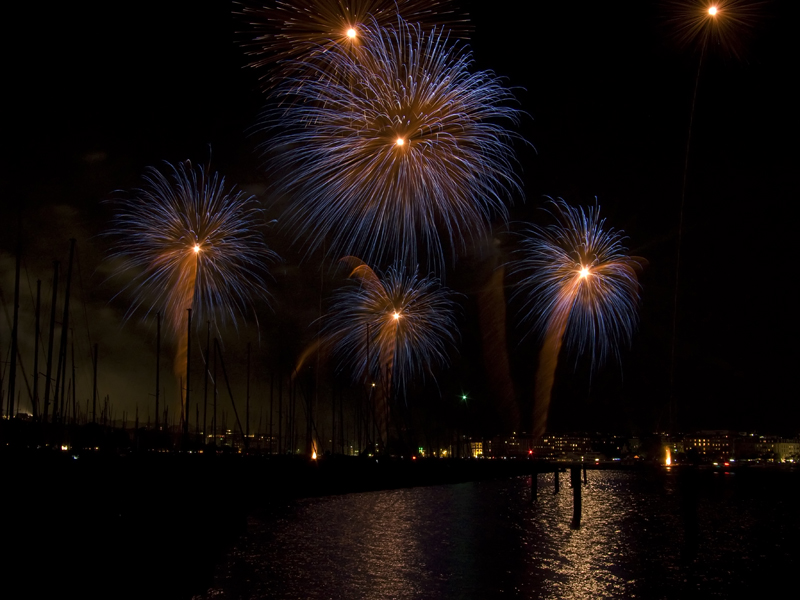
(99, 91)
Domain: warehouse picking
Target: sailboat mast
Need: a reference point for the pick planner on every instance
(188, 371)
(12, 376)
(50, 337)
(35, 399)
(158, 363)
(62, 352)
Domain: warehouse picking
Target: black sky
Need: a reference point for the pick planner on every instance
(100, 90)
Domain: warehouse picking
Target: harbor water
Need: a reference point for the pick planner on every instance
(657, 533)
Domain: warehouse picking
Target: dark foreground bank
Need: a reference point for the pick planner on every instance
(154, 525)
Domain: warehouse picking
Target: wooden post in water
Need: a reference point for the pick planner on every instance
(575, 480)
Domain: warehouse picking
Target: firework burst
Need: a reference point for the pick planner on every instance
(400, 153)
(190, 243)
(579, 286)
(395, 327)
(288, 34)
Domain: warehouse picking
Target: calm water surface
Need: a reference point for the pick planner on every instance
(652, 534)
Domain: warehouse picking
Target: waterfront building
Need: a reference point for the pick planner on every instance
(711, 445)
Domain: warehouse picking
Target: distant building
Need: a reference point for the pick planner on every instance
(476, 449)
(721, 445)
(713, 445)
(704, 446)
(513, 446)
(766, 447)
(565, 446)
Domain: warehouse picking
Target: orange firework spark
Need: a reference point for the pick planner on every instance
(287, 34)
(722, 25)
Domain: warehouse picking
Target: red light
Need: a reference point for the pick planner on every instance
(413, 458)
(530, 451)
(727, 464)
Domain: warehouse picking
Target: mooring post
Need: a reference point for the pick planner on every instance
(575, 480)
(534, 486)
(557, 486)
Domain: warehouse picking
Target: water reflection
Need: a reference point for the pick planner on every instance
(643, 535)
(590, 562)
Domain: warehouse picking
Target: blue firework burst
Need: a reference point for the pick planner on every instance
(397, 326)
(578, 283)
(185, 241)
(397, 153)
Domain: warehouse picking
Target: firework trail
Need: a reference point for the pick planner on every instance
(395, 327)
(288, 34)
(190, 243)
(580, 287)
(399, 149)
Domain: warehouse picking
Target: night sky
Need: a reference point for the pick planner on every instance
(99, 91)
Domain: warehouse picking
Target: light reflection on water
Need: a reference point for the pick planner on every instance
(642, 535)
